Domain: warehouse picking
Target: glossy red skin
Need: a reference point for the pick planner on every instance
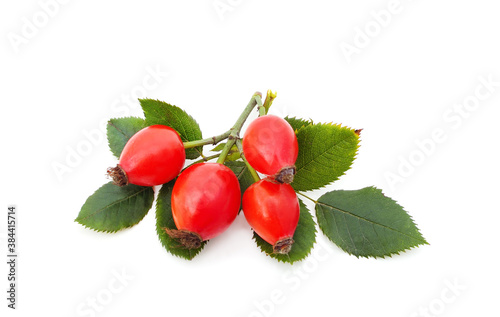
(206, 199)
(272, 210)
(270, 144)
(155, 155)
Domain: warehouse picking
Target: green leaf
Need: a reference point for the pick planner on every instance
(164, 219)
(298, 123)
(112, 208)
(219, 147)
(326, 152)
(366, 223)
(159, 112)
(120, 130)
(242, 173)
(304, 237)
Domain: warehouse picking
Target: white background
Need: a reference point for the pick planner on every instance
(405, 80)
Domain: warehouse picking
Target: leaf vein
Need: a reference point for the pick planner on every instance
(370, 221)
(114, 203)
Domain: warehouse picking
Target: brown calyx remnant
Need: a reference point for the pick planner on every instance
(118, 175)
(285, 175)
(186, 239)
(283, 246)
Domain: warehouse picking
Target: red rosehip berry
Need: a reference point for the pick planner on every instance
(271, 147)
(205, 201)
(273, 211)
(155, 155)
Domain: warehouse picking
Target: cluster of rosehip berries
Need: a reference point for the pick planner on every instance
(206, 197)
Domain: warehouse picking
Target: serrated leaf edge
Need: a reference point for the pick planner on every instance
(173, 106)
(114, 126)
(390, 254)
(350, 165)
(78, 219)
(310, 121)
